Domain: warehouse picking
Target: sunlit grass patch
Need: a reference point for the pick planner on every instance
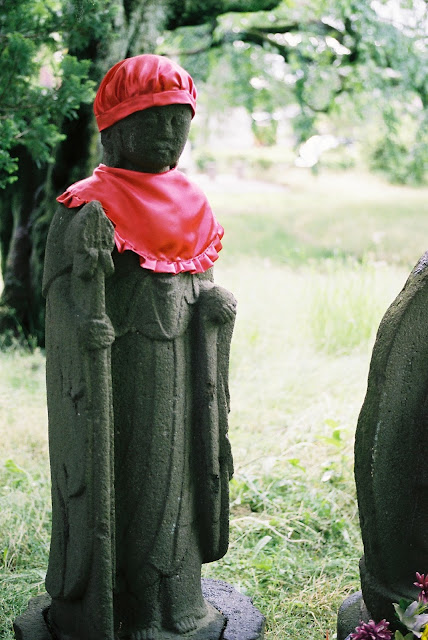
(295, 540)
(23, 413)
(344, 214)
(347, 303)
(24, 482)
(294, 549)
(286, 386)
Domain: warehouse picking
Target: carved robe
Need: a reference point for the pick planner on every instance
(140, 459)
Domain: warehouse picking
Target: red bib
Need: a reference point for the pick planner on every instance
(163, 217)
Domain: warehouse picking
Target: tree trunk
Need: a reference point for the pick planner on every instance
(18, 206)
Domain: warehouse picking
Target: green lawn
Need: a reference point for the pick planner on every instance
(314, 265)
(344, 214)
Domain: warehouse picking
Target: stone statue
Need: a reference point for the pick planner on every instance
(390, 461)
(137, 344)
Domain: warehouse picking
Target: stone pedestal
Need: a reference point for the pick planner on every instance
(243, 620)
(352, 612)
(239, 619)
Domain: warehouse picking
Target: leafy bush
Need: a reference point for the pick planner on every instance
(402, 154)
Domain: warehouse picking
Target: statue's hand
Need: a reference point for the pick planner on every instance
(218, 304)
(97, 333)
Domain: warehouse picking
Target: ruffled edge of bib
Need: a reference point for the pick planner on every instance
(197, 264)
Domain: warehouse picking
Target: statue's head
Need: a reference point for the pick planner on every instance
(143, 108)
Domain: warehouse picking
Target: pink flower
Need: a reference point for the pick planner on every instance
(422, 583)
(372, 631)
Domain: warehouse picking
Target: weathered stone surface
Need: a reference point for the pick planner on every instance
(351, 613)
(390, 455)
(231, 616)
(31, 625)
(244, 621)
(137, 383)
(152, 409)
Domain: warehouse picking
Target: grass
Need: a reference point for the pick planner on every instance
(328, 216)
(296, 394)
(314, 264)
(24, 483)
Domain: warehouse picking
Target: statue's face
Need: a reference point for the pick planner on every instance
(151, 140)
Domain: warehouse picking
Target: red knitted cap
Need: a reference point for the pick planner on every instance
(141, 82)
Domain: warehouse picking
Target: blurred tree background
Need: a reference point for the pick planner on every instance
(324, 65)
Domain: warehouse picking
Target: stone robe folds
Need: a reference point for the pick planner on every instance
(140, 458)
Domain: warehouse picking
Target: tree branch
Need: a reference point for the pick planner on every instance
(252, 36)
(246, 6)
(266, 35)
(327, 108)
(313, 26)
(186, 13)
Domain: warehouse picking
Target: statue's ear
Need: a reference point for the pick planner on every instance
(109, 141)
(107, 136)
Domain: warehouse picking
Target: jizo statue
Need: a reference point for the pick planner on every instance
(137, 344)
(390, 462)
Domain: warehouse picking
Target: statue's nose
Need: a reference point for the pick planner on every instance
(169, 128)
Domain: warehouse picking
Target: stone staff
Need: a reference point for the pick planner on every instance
(89, 243)
(215, 328)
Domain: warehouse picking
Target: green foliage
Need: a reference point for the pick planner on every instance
(182, 12)
(273, 54)
(317, 55)
(24, 537)
(24, 482)
(412, 615)
(40, 83)
(399, 636)
(401, 152)
(304, 124)
(88, 21)
(259, 162)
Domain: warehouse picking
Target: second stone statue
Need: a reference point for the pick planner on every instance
(137, 343)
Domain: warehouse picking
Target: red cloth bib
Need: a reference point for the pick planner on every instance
(163, 217)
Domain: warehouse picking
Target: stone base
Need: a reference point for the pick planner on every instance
(243, 620)
(32, 625)
(239, 619)
(352, 611)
